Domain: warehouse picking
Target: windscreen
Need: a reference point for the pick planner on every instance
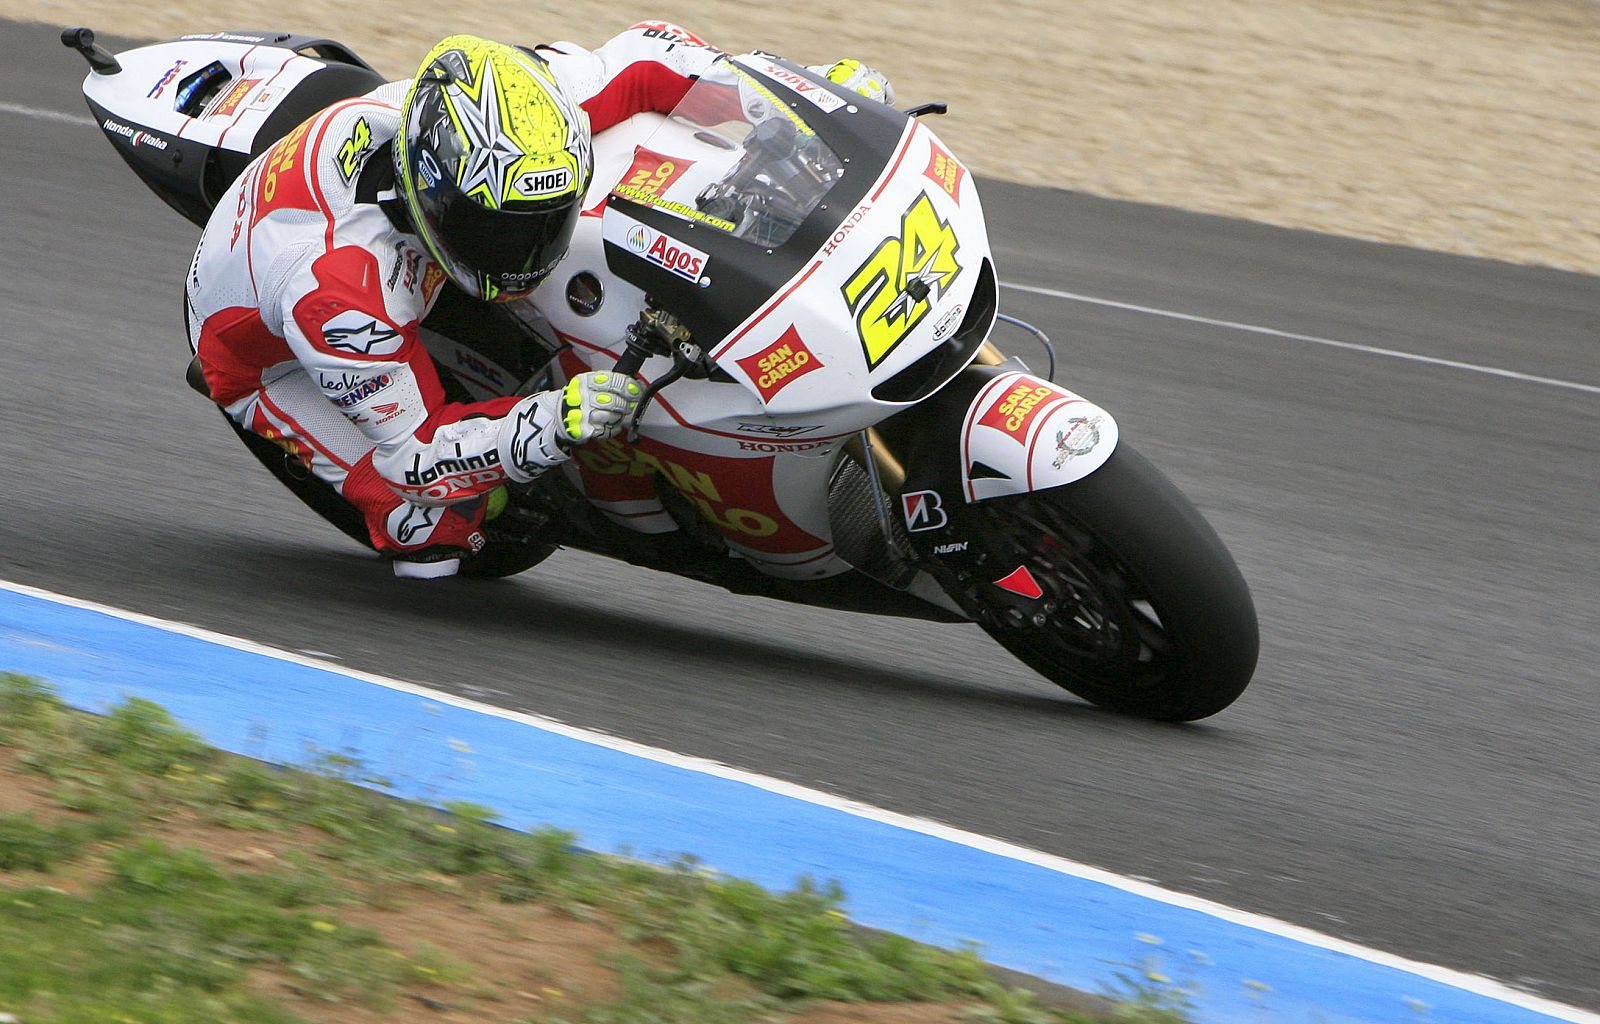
(735, 157)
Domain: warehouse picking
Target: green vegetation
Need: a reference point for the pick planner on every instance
(149, 879)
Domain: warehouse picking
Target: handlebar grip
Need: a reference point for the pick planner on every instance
(631, 360)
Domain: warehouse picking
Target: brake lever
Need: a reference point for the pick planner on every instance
(655, 330)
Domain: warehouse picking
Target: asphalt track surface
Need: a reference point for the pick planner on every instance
(1412, 769)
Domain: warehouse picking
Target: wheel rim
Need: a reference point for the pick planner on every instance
(1093, 615)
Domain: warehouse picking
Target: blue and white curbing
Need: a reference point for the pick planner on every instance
(1029, 911)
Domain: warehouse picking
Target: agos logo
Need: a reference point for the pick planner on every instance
(667, 253)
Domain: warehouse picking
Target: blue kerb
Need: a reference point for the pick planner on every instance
(1023, 916)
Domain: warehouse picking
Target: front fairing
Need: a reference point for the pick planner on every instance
(828, 251)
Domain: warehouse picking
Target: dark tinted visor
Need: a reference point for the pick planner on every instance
(510, 245)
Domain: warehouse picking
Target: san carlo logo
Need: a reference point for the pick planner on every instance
(901, 281)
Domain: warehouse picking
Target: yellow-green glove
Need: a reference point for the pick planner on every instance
(858, 77)
(594, 406)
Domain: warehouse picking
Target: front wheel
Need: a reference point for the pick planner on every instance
(1118, 590)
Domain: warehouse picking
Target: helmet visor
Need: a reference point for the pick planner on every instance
(514, 247)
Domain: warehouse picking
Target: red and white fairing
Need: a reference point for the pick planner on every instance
(1023, 433)
(756, 458)
(259, 75)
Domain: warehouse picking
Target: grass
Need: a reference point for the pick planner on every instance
(150, 879)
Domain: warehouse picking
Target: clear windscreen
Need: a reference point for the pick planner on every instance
(735, 157)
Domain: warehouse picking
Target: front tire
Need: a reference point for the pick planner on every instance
(1143, 609)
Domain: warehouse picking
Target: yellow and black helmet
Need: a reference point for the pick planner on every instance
(493, 160)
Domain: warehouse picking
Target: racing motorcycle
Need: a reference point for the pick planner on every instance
(803, 280)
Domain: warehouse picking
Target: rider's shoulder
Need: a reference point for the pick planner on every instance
(664, 33)
(343, 137)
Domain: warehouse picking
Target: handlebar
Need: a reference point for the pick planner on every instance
(632, 358)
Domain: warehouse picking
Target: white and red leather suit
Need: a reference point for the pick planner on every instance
(304, 301)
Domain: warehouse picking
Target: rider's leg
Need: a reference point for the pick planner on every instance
(292, 412)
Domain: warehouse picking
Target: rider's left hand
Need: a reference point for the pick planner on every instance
(858, 77)
(594, 406)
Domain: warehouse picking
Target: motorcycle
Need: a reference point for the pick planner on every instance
(810, 273)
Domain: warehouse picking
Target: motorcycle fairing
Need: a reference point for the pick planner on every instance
(797, 377)
(189, 114)
(893, 254)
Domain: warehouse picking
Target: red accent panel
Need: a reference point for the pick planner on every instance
(235, 346)
(1021, 582)
(641, 86)
(367, 491)
(281, 183)
(348, 278)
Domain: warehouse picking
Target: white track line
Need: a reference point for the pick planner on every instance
(1472, 983)
(47, 115)
(1313, 339)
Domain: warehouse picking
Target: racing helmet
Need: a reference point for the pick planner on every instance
(493, 160)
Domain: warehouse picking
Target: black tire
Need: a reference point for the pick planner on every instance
(1148, 614)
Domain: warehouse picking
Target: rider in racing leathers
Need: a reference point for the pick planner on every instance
(306, 292)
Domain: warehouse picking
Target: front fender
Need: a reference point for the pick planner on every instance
(992, 431)
(1021, 433)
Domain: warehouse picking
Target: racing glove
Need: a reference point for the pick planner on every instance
(859, 78)
(539, 430)
(596, 405)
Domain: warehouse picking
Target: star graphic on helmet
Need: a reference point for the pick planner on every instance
(490, 154)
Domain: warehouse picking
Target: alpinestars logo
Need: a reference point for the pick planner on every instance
(413, 524)
(353, 332)
(923, 511)
(532, 447)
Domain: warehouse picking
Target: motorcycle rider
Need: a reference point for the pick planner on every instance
(306, 292)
